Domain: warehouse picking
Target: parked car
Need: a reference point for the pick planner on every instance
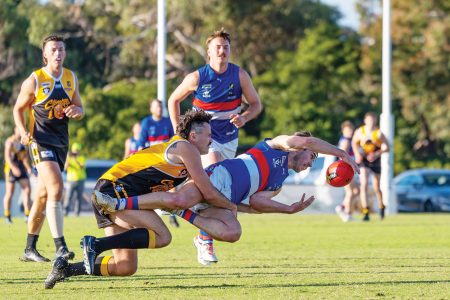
(423, 190)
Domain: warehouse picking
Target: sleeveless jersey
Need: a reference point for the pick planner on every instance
(19, 154)
(350, 149)
(261, 168)
(370, 143)
(219, 95)
(134, 145)
(154, 132)
(49, 125)
(149, 170)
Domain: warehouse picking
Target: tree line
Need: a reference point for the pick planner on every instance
(311, 73)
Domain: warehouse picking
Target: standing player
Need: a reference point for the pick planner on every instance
(17, 168)
(368, 144)
(132, 143)
(345, 209)
(51, 95)
(218, 88)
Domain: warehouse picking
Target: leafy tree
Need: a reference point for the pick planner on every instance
(315, 87)
(420, 76)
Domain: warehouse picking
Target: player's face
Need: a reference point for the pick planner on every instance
(156, 109)
(202, 138)
(370, 121)
(55, 53)
(302, 160)
(219, 51)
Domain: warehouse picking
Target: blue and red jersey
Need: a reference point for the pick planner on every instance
(261, 168)
(155, 132)
(134, 145)
(219, 95)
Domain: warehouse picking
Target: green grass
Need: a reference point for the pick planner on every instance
(278, 257)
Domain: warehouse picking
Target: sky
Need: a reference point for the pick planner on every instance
(348, 10)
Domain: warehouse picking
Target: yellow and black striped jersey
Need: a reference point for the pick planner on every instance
(370, 142)
(148, 170)
(49, 125)
(19, 154)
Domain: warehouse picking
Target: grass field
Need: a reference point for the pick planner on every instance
(278, 257)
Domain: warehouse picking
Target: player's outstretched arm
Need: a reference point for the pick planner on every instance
(262, 202)
(295, 143)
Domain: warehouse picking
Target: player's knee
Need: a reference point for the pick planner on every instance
(163, 240)
(126, 269)
(178, 201)
(232, 235)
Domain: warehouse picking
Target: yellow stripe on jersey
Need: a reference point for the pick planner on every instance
(151, 157)
(371, 143)
(45, 84)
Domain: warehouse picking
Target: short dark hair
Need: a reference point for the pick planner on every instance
(305, 133)
(192, 120)
(51, 38)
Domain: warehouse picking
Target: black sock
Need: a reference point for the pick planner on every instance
(59, 242)
(31, 241)
(76, 269)
(137, 238)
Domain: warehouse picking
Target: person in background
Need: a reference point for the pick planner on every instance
(17, 169)
(368, 144)
(155, 128)
(345, 209)
(132, 143)
(76, 175)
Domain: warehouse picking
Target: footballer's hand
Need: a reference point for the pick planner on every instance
(73, 111)
(301, 205)
(25, 138)
(238, 120)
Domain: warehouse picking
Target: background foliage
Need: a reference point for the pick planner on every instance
(310, 72)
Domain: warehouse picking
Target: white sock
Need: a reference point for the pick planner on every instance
(55, 217)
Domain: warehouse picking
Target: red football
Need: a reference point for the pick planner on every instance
(339, 173)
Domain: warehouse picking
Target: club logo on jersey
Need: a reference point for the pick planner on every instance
(183, 173)
(69, 83)
(230, 89)
(55, 108)
(118, 188)
(46, 154)
(205, 90)
(46, 90)
(166, 184)
(278, 162)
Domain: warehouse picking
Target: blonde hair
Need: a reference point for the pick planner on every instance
(219, 33)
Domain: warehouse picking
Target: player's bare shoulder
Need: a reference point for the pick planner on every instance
(181, 150)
